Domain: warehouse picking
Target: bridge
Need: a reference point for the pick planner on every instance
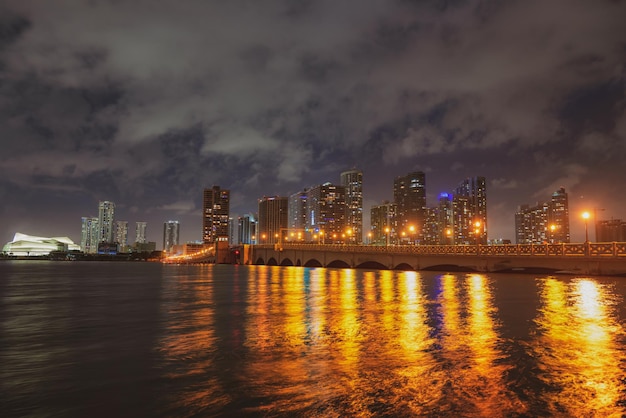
(571, 258)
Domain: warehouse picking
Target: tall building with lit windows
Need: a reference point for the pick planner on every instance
(326, 213)
(121, 235)
(546, 222)
(247, 229)
(470, 211)
(106, 213)
(383, 223)
(409, 195)
(352, 181)
(273, 219)
(215, 214)
(140, 232)
(297, 211)
(89, 235)
(171, 233)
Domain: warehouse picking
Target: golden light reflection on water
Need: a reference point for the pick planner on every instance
(337, 342)
(577, 348)
(191, 336)
(471, 345)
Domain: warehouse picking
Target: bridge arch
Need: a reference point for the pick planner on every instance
(260, 261)
(372, 265)
(452, 268)
(404, 267)
(286, 262)
(272, 262)
(313, 263)
(339, 264)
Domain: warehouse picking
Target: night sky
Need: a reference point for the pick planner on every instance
(147, 102)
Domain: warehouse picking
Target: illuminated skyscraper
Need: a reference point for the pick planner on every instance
(121, 235)
(140, 232)
(544, 222)
(409, 195)
(383, 222)
(171, 232)
(326, 212)
(215, 214)
(106, 213)
(470, 211)
(247, 227)
(273, 219)
(89, 235)
(352, 181)
(297, 210)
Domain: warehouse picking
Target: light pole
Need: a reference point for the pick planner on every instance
(586, 217)
(387, 235)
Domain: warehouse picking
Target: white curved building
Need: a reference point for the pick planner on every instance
(28, 245)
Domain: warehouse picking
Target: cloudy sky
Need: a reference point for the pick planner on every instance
(146, 102)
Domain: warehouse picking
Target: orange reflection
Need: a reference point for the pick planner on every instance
(193, 337)
(578, 350)
(471, 345)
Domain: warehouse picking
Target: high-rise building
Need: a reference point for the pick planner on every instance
(445, 219)
(613, 230)
(121, 235)
(383, 223)
(273, 219)
(171, 232)
(409, 195)
(558, 217)
(326, 213)
(140, 232)
(297, 210)
(470, 211)
(352, 181)
(89, 235)
(215, 214)
(247, 227)
(106, 213)
(544, 222)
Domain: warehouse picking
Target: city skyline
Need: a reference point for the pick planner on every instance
(145, 104)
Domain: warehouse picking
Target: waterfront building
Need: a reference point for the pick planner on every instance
(171, 233)
(544, 222)
(558, 217)
(297, 211)
(24, 245)
(445, 219)
(215, 214)
(409, 195)
(106, 214)
(326, 213)
(140, 232)
(121, 235)
(470, 211)
(383, 223)
(273, 219)
(352, 181)
(247, 226)
(613, 230)
(89, 235)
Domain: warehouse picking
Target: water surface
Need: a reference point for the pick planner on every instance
(145, 339)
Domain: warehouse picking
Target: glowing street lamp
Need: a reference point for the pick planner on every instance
(586, 215)
(387, 233)
(477, 226)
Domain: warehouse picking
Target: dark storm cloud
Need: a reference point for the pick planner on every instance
(147, 102)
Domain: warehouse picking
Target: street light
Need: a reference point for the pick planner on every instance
(586, 215)
(411, 231)
(552, 229)
(477, 225)
(387, 234)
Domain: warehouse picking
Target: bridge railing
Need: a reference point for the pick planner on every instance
(589, 249)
